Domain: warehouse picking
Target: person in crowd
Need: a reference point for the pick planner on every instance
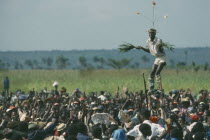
(58, 115)
(6, 85)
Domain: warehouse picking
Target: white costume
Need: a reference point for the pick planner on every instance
(154, 49)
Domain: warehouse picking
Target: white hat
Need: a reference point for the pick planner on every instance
(55, 84)
(92, 103)
(61, 126)
(175, 110)
(201, 103)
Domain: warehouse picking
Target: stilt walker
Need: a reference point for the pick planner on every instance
(155, 47)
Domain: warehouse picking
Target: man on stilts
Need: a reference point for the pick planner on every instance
(155, 47)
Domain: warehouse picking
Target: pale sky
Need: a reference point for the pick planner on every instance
(100, 24)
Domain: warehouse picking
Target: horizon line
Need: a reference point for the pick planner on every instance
(201, 47)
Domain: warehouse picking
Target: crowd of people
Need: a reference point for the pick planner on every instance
(123, 115)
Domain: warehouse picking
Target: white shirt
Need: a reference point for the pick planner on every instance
(157, 130)
(153, 47)
(102, 97)
(191, 126)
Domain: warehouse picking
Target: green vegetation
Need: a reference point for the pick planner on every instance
(196, 58)
(108, 80)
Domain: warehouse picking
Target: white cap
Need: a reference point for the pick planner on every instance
(55, 84)
(175, 110)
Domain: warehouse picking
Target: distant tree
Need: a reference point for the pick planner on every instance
(114, 63)
(100, 62)
(2, 65)
(7, 65)
(44, 60)
(135, 65)
(186, 56)
(124, 62)
(195, 67)
(18, 65)
(90, 66)
(193, 64)
(145, 59)
(62, 62)
(47, 61)
(118, 64)
(21, 66)
(35, 63)
(83, 62)
(172, 63)
(95, 59)
(29, 63)
(206, 66)
(181, 64)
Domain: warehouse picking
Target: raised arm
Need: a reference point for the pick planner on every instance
(142, 48)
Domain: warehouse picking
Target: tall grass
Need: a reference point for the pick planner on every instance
(96, 80)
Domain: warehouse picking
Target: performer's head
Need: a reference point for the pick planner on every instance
(152, 33)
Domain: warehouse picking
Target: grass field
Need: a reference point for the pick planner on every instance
(107, 80)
